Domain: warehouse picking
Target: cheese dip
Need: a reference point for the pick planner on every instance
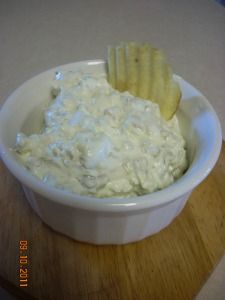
(100, 142)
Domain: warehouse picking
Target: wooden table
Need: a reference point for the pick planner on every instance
(173, 264)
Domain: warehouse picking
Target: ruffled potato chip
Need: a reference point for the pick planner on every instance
(144, 72)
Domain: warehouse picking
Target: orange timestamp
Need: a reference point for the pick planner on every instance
(23, 264)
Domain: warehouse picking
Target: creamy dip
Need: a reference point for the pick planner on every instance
(100, 142)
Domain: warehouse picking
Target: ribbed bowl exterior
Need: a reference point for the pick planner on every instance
(105, 227)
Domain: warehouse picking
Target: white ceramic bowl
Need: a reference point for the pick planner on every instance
(108, 220)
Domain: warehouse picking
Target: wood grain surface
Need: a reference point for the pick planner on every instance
(173, 264)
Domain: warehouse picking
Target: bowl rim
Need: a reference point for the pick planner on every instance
(169, 194)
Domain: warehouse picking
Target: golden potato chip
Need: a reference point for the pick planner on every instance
(144, 77)
(170, 105)
(158, 76)
(121, 72)
(111, 64)
(143, 71)
(132, 67)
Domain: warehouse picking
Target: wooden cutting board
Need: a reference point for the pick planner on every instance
(173, 264)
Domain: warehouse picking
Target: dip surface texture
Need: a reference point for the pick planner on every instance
(100, 142)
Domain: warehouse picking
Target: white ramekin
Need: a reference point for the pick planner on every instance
(108, 220)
